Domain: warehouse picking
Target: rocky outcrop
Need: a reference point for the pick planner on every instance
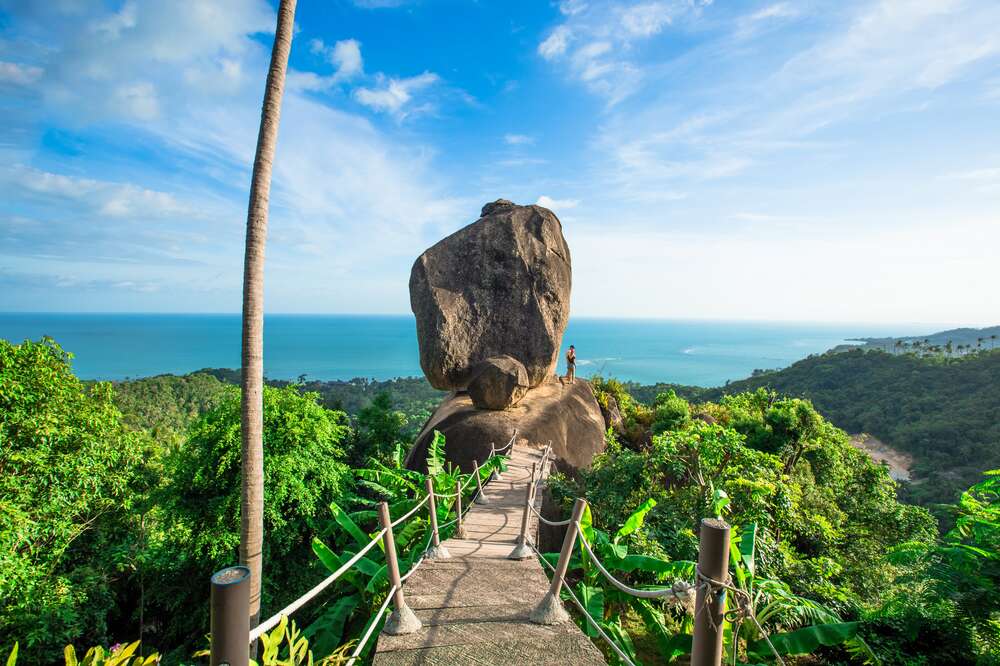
(612, 415)
(499, 286)
(565, 414)
(498, 383)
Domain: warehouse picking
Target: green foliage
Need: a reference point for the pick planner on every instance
(670, 412)
(167, 405)
(198, 509)
(823, 516)
(941, 411)
(379, 428)
(117, 655)
(68, 475)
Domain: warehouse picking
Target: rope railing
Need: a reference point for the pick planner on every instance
(275, 619)
(371, 628)
(230, 587)
(711, 599)
(552, 523)
(680, 591)
(583, 611)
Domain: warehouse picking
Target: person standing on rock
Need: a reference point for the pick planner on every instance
(571, 364)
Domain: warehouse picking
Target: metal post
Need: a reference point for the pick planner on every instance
(522, 550)
(713, 562)
(230, 616)
(402, 620)
(436, 551)
(481, 498)
(460, 530)
(550, 609)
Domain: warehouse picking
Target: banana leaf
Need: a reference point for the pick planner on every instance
(634, 522)
(805, 640)
(326, 633)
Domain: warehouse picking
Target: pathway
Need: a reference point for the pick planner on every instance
(474, 607)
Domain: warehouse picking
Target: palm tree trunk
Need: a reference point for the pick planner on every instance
(252, 379)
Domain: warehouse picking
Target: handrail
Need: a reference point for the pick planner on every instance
(411, 511)
(583, 611)
(643, 594)
(553, 523)
(274, 620)
(371, 627)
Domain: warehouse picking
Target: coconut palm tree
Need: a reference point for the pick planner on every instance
(252, 380)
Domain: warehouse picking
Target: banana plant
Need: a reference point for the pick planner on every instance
(119, 655)
(604, 602)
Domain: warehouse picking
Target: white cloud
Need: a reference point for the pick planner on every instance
(645, 20)
(556, 43)
(393, 96)
(556, 204)
(597, 43)
(17, 74)
(518, 140)
(344, 55)
(572, 7)
(103, 197)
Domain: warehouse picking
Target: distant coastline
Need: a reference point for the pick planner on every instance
(383, 347)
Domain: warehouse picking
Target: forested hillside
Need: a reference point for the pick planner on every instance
(943, 411)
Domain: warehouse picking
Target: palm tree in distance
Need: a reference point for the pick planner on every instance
(252, 376)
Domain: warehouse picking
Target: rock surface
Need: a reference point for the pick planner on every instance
(565, 414)
(498, 382)
(498, 286)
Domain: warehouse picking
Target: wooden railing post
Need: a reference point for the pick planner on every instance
(494, 475)
(460, 529)
(550, 609)
(522, 550)
(402, 620)
(713, 562)
(436, 551)
(481, 498)
(230, 621)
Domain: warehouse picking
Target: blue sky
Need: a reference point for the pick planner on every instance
(810, 160)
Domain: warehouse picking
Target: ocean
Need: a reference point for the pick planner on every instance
(325, 347)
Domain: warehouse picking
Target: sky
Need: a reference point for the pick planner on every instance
(790, 160)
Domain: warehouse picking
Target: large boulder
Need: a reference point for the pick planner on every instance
(498, 383)
(565, 414)
(498, 286)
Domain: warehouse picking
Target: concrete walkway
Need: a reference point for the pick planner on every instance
(474, 607)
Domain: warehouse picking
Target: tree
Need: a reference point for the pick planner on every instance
(252, 417)
(197, 508)
(69, 472)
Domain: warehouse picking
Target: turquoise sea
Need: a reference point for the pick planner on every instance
(705, 353)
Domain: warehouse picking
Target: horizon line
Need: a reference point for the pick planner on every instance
(740, 320)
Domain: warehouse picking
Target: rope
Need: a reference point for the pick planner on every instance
(273, 621)
(411, 511)
(553, 523)
(743, 610)
(371, 627)
(679, 591)
(583, 611)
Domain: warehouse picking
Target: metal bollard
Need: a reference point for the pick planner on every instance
(230, 621)
(522, 550)
(460, 530)
(713, 562)
(402, 620)
(436, 551)
(550, 609)
(481, 498)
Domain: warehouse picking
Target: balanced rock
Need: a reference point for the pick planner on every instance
(499, 286)
(498, 383)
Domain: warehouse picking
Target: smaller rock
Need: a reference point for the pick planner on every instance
(612, 415)
(498, 382)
